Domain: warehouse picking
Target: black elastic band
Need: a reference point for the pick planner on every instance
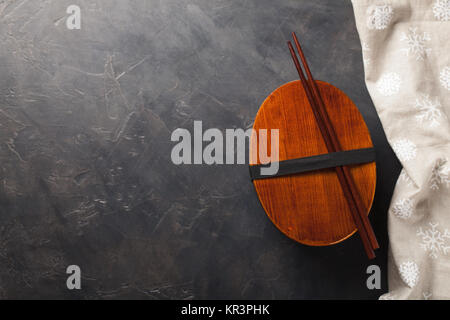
(322, 161)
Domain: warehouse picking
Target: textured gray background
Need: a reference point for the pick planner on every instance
(86, 176)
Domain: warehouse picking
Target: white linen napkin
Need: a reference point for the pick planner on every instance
(406, 54)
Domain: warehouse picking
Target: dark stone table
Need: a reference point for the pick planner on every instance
(86, 176)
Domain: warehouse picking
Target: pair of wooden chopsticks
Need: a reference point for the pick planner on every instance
(351, 193)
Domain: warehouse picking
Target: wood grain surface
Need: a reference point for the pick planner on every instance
(310, 207)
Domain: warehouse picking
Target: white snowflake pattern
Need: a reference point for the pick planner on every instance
(387, 296)
(427, 295)
(409, 272)
(440, 175)
(365, 46)
(416, 44)
(405, 149)
(429, 110)
(379, 17)
(405, 178)
(441, 10)
(445, 78)
(403, 208)
(389, 84)
(433, 240)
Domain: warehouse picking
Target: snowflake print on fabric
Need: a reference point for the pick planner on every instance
(405, 178)
(389, 84)
(429, 111)
(441, 10)
(445, 78)
(440, 175)
(433, 240)
(416, 44)
(387, 296)
(404, 149)
(379, 17)
(427, 295)
(409, 272)
(403, 208)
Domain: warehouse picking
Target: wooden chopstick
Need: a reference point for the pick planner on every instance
(325, 131)
(335, 142)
